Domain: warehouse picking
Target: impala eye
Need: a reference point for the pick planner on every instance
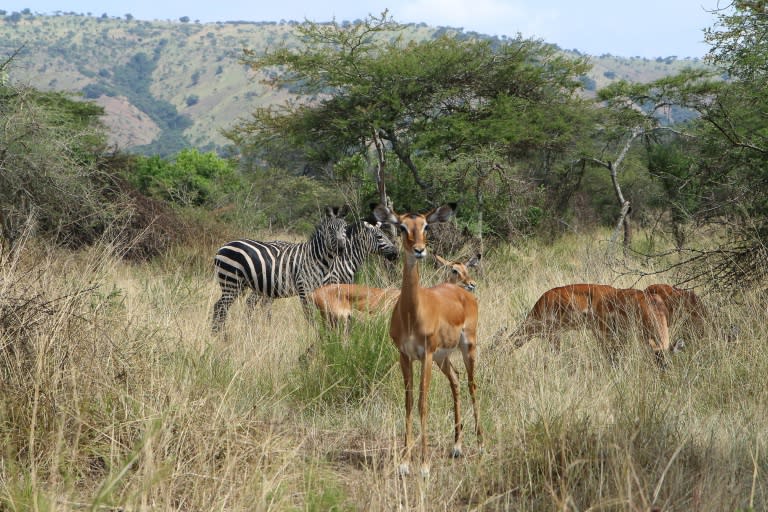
(426, 227)
(403, 228)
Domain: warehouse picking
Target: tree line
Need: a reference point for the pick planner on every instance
(504, 127)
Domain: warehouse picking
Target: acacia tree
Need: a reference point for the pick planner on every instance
(714, 168)
(426, 103)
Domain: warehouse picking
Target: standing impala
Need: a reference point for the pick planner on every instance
(428, 324)
(338, 302)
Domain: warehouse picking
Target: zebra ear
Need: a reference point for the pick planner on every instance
(336, 211)
(474, 260)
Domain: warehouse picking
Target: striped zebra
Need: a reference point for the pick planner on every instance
(363, 239)
(278, 269)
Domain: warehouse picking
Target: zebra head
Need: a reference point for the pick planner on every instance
(332, 231)
(373, 239)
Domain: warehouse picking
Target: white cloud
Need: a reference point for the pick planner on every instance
(492, 17)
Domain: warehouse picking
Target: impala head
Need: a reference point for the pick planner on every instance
(413, 227)
(459, 272)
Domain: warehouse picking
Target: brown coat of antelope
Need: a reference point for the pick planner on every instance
(427, 325)
(684, 306)
(607, 311)
(623, 311)
(560, 309)
(338, 302)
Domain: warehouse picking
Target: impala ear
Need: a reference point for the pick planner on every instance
(385, 215)
(474, 260)
(441, 213)
(442, 260)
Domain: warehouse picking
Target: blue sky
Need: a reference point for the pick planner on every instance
(648, 28)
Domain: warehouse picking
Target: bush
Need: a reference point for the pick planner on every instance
(52, 182)
(193, 179)
(351, 368)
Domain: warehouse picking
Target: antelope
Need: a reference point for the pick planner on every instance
(605, 310)
(560, 309)
(619, 311)
(682, 305)
(427, 325)
(337, 302)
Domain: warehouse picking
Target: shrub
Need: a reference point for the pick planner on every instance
(193, 179)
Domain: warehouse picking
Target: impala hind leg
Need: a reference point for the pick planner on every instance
(469, 353)
(448, 370)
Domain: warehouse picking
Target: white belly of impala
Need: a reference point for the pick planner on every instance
(414, 348)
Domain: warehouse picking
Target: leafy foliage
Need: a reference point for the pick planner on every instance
(429, 102)
(50, 180)
(192, 179)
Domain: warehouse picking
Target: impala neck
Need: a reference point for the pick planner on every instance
(410, 286)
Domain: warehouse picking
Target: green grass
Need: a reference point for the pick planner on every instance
(123, 398)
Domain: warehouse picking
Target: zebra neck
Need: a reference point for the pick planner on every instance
(320, 252)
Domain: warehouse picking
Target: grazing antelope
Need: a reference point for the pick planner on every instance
(607, 311)
(337, 302)
(684, 306)
(428, 324)
(560, 309)
(620, 312)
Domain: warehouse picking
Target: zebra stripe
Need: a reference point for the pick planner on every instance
(278, 269)
(363, 239)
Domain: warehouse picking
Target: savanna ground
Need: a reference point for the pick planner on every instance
(115, 395)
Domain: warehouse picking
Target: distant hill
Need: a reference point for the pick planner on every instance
(166, 85)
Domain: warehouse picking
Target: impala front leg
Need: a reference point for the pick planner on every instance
(406, 367)
(426, 377)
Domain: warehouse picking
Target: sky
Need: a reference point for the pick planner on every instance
(646, 28)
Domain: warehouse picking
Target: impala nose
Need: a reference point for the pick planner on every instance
(419, 252)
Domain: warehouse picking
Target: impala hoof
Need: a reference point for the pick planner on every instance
(456, 452)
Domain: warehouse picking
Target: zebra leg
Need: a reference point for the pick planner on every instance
(220, 309)
(255, 298)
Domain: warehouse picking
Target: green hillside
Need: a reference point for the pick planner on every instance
(166, 85)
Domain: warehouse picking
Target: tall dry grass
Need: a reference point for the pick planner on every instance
(116, 395)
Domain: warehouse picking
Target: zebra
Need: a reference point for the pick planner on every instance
(278, 269)
(363, 238)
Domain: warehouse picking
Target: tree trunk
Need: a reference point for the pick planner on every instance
(380, 165)
(624, 204)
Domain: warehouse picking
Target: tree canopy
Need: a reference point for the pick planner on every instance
(430, 103)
